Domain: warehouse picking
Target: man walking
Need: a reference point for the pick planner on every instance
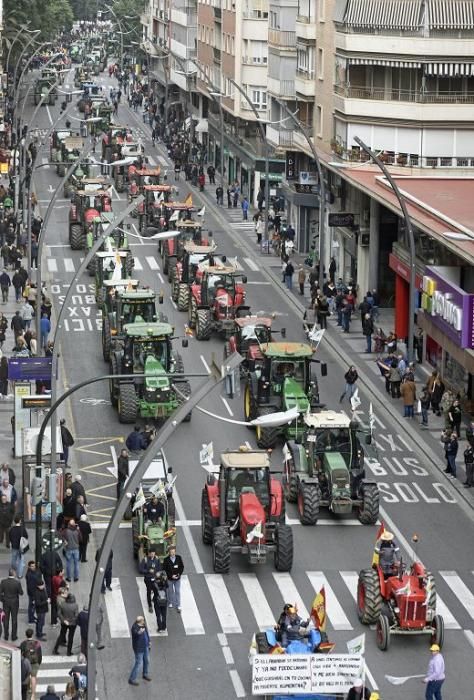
(19, 544)
(66, 439)
(245, 209)
(289, 272)
(5, 284)
(436, 674)
(173, 566)
(10, 592)
(31, 650)
(107, 580)
(32, 577)
(141, 649)
(7, 512)
(71, 538)
(351, 377)
(45, 329)
(149, 568)
(122, 471)
(86, 531)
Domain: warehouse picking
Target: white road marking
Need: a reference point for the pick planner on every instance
(56, 660)
(116, 612)
(152, 262)
(257, 600)
(160, 277)
(163, 161)
(260, 284)
(69, 265)
(137, 264)
(228, 657)
(325, 521)
(470, 637)
(223, 604)
(128, 526)
(336, 614)
(152, 161)
(237, 683)
(198, 567)
(49, 115)
(52, 265)
(460, 590)
(351, 579)
(289, 593)
(253, 265)
(226, 404)
(149, 617)
(206, 366)
(189, 611)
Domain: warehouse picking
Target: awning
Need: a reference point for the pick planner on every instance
(385, 14)
(451, 14)
(449, 69)
(363, 61)
(339, 11)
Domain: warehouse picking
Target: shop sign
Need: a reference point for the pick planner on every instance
(341, 219)
(290, 166)
(451, 309)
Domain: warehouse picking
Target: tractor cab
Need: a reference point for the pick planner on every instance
(246, 477)
(150, 210)
(133, 305)
(249, 334)
(114, 290)
(57, 137)
(218, 284)
(144, 176)
(109, 266)
(45, 90)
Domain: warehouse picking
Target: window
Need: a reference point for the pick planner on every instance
(320, 64)
(258, 97)
(257, 52)
(319, 117)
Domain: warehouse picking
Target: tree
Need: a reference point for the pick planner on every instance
(50, 18)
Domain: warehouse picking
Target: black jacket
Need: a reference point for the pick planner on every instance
(173, 569)
(50, 563)
(31, 580)
(122, 468)
(16, 533)
(41, 600)
(7, 511)
(355, 695)
(85, 530)
(10, 590)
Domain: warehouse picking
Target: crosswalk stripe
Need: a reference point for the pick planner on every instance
(52, 659)
(116, 612)
(351, 579)
(189, 611)
(460, 590)
(52, 265)
(223, 604)
(69, 264)
(336, 614)
(150, 618)
(152, 262)
(54, 672)
(290, 593)
(151, 161)
(137, 264)
(258, 602)
(253, 265)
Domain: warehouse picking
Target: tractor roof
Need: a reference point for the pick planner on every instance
(188, 223)
(195, 249)
(154, 188)
(121, 284)
(148, 330)
(254, 321)
(113, 254)
(179, 206)
(219, 269)
(327, 419)
(287, 350)
(151, 172)
(136, 294)
(245, 460)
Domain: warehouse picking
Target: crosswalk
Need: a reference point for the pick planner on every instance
(54, 670)
(261, 601)
(147, 263)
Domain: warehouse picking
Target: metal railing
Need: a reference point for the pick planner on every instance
(283, 88)
(396, 95)
(281, 39)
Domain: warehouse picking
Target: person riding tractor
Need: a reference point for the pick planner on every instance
(388, 553)
(290, 624)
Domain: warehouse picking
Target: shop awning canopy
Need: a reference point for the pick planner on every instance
(451, 14)
(394, 63)
(384, 14)
(449, 69)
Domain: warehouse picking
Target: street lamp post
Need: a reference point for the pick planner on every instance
(27, 45)
(22, 28)
(411, 243)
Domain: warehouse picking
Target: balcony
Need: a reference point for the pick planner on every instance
(282, 88)
(284, 41)
(370, 93)
(305, 84)
(369, 42)
(287, 139)
(306, 28)
(185, 17)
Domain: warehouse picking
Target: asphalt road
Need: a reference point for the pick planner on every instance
(206, 651)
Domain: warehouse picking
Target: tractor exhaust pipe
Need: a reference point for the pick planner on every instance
(222, 498)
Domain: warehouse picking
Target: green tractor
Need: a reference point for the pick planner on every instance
(76, 180)
(324, 468)
(125, 304)
(67, 153)
(116, 241)
(45, 89)
(110, 267)
(147, 349)
(282, 381)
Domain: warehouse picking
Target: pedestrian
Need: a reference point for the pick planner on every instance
(367, 330)
(50, 565)
(17, 283)
(245, 208)
(289, 272)
(7, 513)
(32, 577)
(3, 329)
(141, 649)
(160, 599)
(19, 545)
(436, 389)
(346, 315)
(351, 378)
(69, 506)
(58, 584)
(322, 311)
(469, 464)
(78, 674)
(80, 509)
(332, 269)
(83, 623)
(68, 610)
(50, 694)
(78, 489)
(45, 329)
(9, 491)
(41, 608)
(25, 675)
(358, 691)
(425, 406)
(395, 379)
(434, 679)
(219, 195)
(408, 393)
(10, 592)
(31, 650)
(86, 531)
(301, 279)
(229, 198)
(17, 325)
(451, 449)
(7, 474)
(455, 416)
(107, 580)
(211, 173)
(5, 284)
(173, 566)
(66, 436)
(259, 229)
(26, 314)
(122, 471)
(149, 567)
(71, 538)
(134, 441)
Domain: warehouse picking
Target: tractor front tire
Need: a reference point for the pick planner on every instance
(262, 644)
(183, 297)
(75, 237)
(267, 436)
(283, 548)
(174, 289)
(250, 409)
(221, 550)
(207, 521)
(192, 313)
(369, 597)
(369, 510)
(129, 264)
(113, 383)
(127, 404)
(166, 262)
(290, 482)
(382, 632)
(92, 266)
(106, 339)
(308, 503)
(437, 636)
(431, 584)
(171, 270)
(203, 324)
(61, 169)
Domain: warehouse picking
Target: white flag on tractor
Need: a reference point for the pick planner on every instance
(140, 499)
(356, 645)
(174, 216)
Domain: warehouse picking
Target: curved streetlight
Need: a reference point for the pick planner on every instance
(27, 45)
(22, 29)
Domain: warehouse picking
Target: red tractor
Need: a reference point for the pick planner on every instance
(85, 207)
(244, 511)
(216, 300)
(402, 603)
(186, 268)
(118, 144)
(139, 177)
(172, 249)
(250, 333)
(150, 212)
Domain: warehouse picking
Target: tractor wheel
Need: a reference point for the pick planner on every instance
(174, 289)
(61, 169)
(127, 404)
(250, 410)
(171, 270)
(203, 324)
(184, 388)
(178, 363)
(92, 266)
(382, 632)
(437, 636)
(207, 521)
(141, 221)
(119, 185)
(183, 297)
(308, 503)
(369, 597)
(267, 436)
(68, 190)
(166, 262)
(113, 383)
(192, 313)
(75, 237)
(221, 550)
(106, 339)
(290, 483)
(431, 586)
(283, 548)
(369, 510)
(261, 641)
(100, 297)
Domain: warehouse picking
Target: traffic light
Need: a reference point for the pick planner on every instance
(37, 490)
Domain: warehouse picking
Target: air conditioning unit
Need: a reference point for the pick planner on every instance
(307, 178)
(364, 240)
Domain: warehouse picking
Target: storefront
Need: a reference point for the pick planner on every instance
(447, 320)
(402, 294)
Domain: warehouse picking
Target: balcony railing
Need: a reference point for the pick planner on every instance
(282, 40)
(281, 88)
(419, 96)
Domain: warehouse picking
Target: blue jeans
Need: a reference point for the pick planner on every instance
(72, 556)
(43, 340)
(18, 562)
(369, 343)
(141, 658)
(346, 320)
(40, 618)
(289, 281)
(452, 464)
(174, 593)
(433, 690)
(408, 411)
(424, 416)
(31, 610)
(348, 391)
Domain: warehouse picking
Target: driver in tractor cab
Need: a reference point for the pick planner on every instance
(388, 553)
(154, 510)
(290, 624)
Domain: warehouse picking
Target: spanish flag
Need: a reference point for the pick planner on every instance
(318, 610)
(375, 557)
(189, 200)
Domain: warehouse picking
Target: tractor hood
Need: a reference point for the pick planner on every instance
(294, 396)
(339, 480)
(251, 510)
(90, 215)
(224, 299)
(158, 378)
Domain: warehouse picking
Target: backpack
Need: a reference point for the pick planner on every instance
(31, 651)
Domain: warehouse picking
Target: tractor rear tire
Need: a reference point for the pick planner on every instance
(113, 383)
(369, 597)
(308, 503)
(127, 404)
(171, 270)
(438, 631)
(183, 297)
(119, 183)
(369, 511)
(203, 324)
(166, 262)
(430, 582)
(207, 521)
(68, 190)
(283, 548)
(76, 238)
(174, 289)
(250, 409)
(290, 484)
(92, 266)
(106, 339)
(262, 644)
(221, 550)
(184, 388)
(192, 313)
(382, 632)
(129, 264)
(61, 169)
(267, 437)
